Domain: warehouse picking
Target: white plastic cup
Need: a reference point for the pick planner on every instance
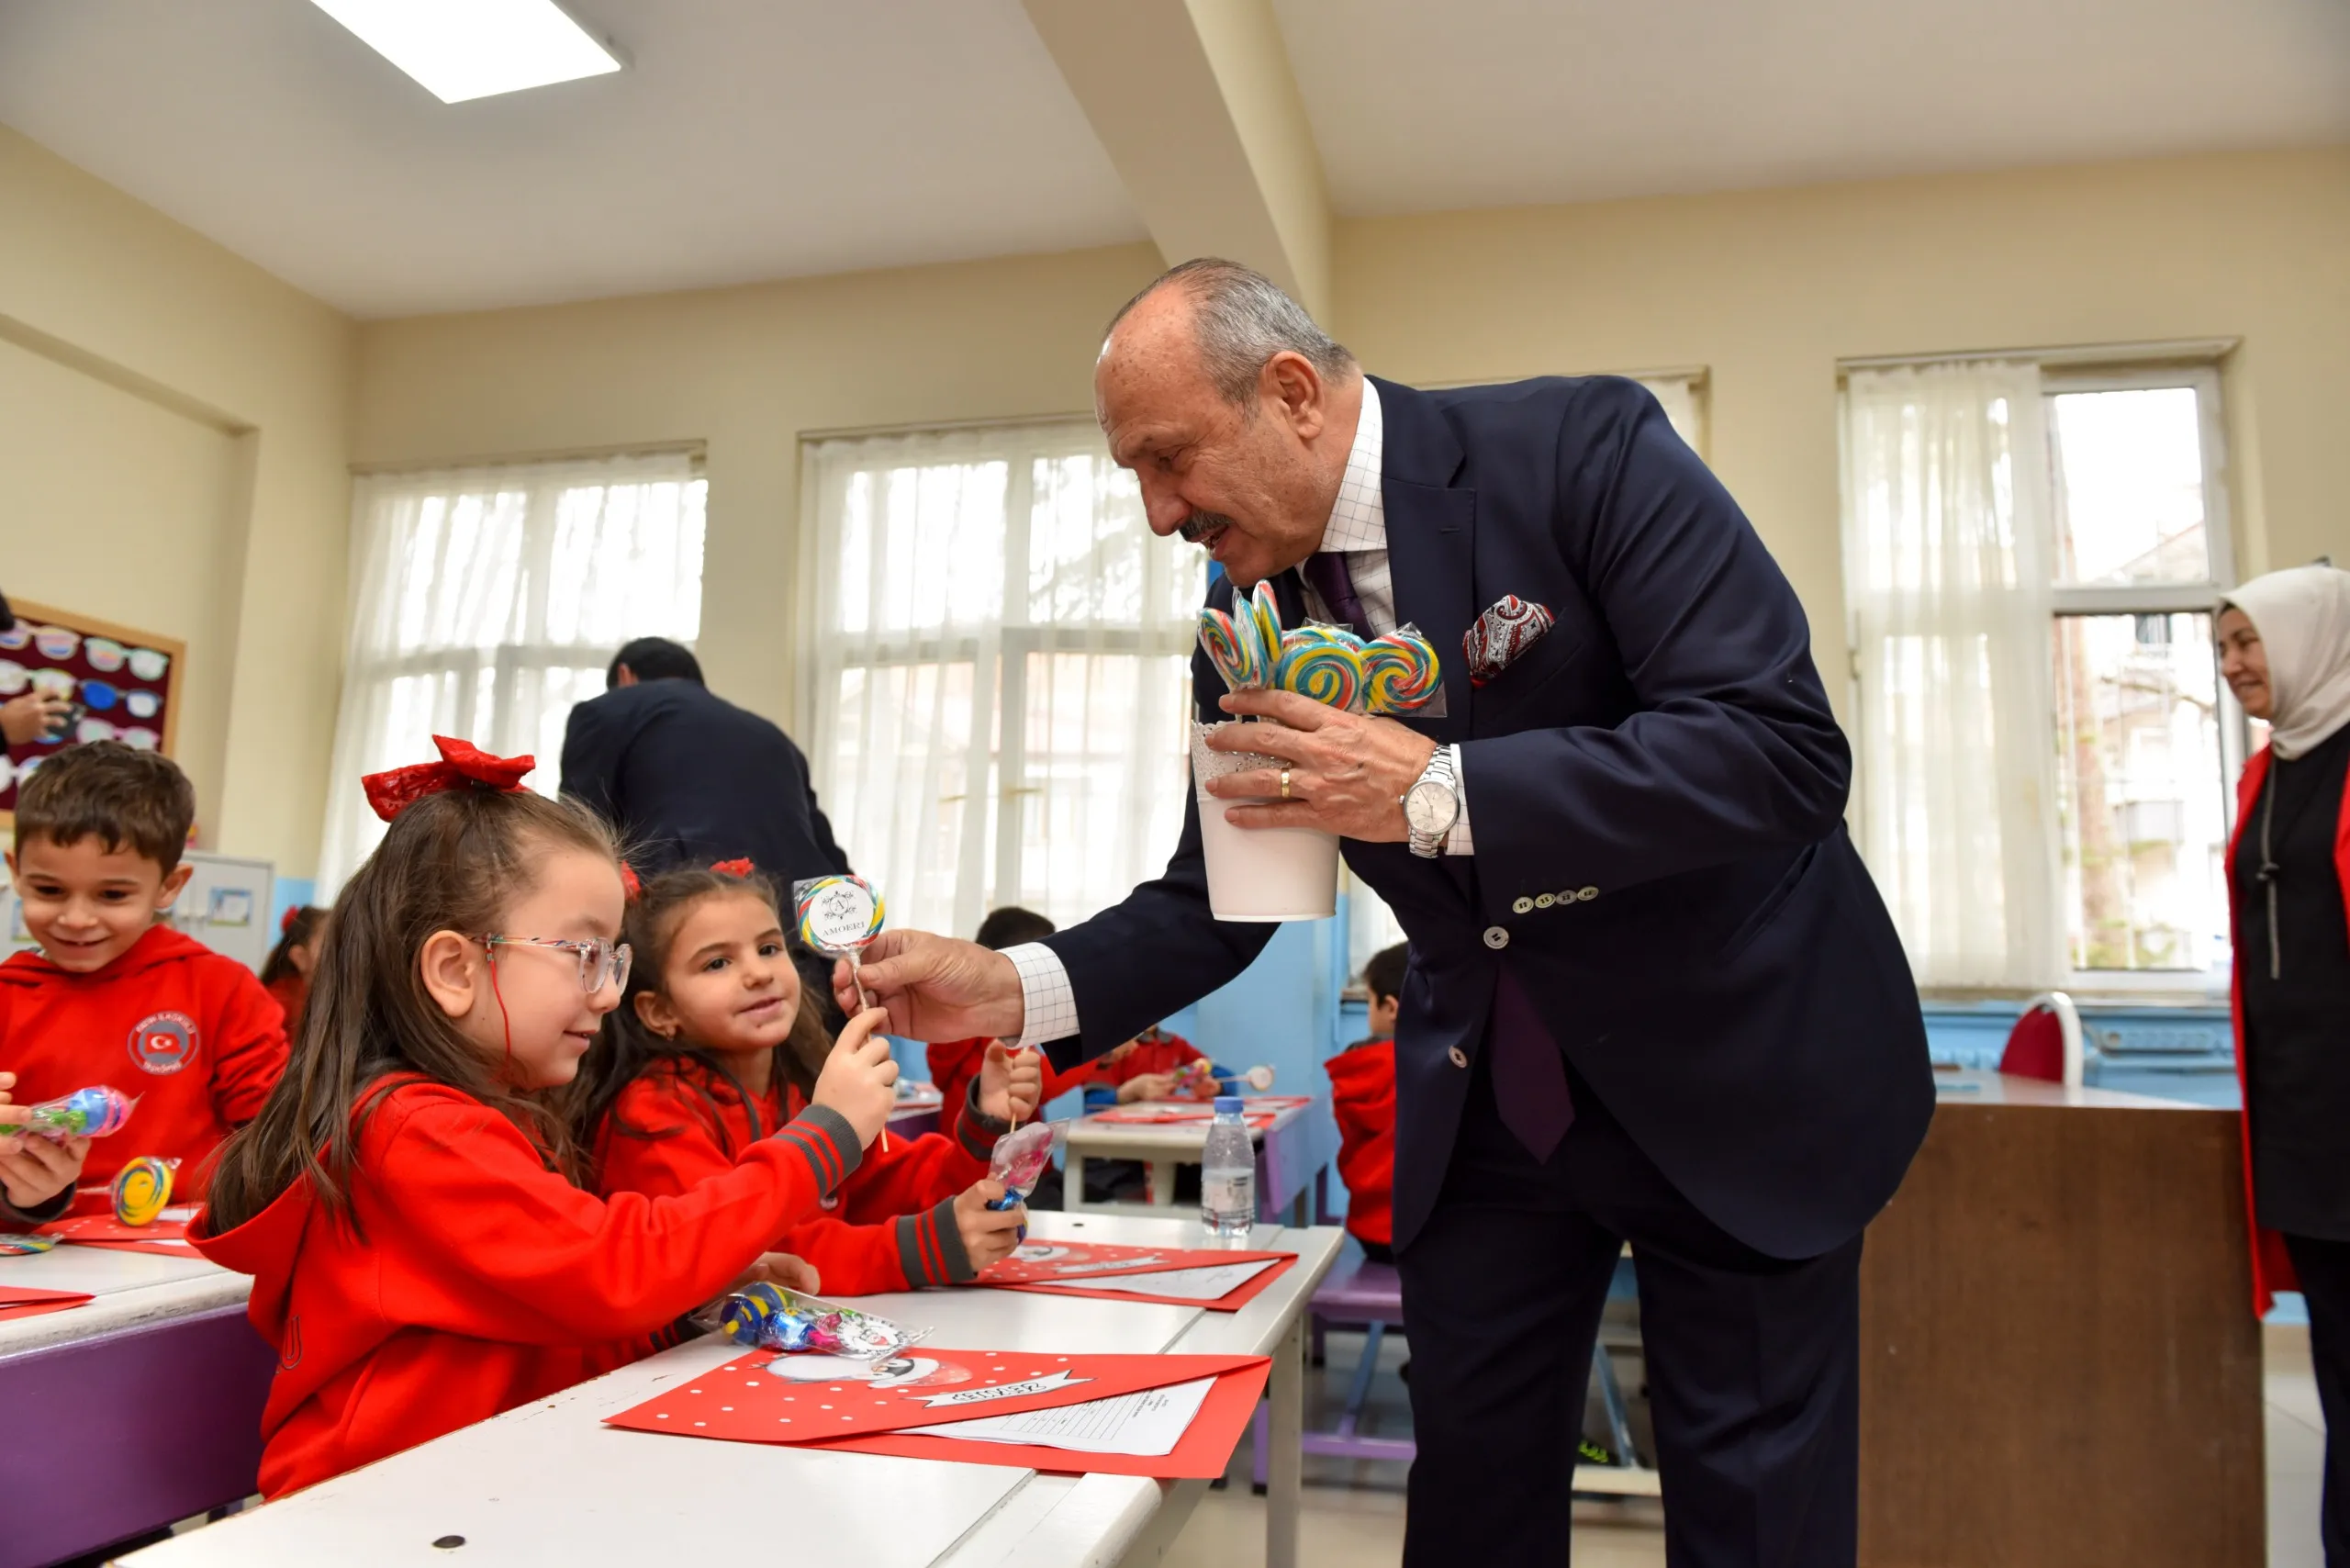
(1259, 873)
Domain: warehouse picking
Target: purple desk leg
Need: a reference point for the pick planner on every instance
(137, 1429)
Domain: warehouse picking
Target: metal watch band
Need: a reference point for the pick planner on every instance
(1428, 846)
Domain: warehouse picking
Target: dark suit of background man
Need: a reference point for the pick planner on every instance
(689, 779)
(1653, 994)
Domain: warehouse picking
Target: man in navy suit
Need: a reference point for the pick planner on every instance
(1652, 997)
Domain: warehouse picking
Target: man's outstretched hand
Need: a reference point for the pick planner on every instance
(936, 987)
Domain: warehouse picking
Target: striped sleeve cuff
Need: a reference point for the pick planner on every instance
(975, 1130)
(827, 1142)
(930, 1248)
(55, 1208)
(1048, 1001)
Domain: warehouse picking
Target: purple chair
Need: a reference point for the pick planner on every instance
(1367, 1293)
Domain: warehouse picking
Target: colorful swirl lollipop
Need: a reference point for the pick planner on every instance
(1265, 616)
(142, 1190)
(837, 915)
(1400, 672)
(1232, 650)
(1321, 662)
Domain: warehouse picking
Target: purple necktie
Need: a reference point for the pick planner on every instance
(1326, 570)
(1530, 1075)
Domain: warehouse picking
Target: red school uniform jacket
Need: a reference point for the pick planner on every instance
(1362, 1096)
(469, 1278)
(954, 1066)
(889, 1227)
(186, 1032)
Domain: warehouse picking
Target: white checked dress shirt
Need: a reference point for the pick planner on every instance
(1357, 529)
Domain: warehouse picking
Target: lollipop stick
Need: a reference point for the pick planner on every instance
(865, 1003)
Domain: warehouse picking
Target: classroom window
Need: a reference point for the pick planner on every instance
(490, 599)
(2032, 552)
(998, 656)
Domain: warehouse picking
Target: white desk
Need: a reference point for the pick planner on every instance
(548, 1482)
(1293, 1155)
(129, 1289)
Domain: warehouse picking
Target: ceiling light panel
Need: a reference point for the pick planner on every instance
(475, 49)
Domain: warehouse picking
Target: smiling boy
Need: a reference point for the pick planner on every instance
(115, 995)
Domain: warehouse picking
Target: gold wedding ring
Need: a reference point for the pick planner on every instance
(1284, 783)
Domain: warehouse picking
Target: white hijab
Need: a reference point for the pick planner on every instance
(2303, 617)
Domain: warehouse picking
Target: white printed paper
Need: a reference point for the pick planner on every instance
(1146, 1424)
(1212, 1282)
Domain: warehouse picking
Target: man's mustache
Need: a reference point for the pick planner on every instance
(1199, 524)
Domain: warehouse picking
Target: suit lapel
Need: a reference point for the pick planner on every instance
(1431, 555)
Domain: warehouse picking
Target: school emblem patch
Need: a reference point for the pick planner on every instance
(163, 1042)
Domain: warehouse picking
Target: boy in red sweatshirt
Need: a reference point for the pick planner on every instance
(1362, 1096)
(116, 996)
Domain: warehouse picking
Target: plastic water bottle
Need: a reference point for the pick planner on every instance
(1228, 1173)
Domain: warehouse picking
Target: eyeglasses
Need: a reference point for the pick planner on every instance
(601, 963)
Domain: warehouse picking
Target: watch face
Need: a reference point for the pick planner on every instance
(1429, 808)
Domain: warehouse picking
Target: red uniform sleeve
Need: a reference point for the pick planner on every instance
(907, 1252)
(248, 1031)
(915, 1173)
(657, 1144)
(487, 1241)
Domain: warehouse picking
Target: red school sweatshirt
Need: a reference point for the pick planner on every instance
(891, 1225)
(186, 1032)
(1363, 1097)
(469, 1278)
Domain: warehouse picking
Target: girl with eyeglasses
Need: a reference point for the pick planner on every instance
(407, 1201)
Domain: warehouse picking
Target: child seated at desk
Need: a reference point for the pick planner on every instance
(114, 995)
(1154, 1065)
(1363, 1097)
(422, 1255)
(715, 1043)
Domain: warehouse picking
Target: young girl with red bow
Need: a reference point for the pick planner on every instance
(422, 1257)
(713, 1044)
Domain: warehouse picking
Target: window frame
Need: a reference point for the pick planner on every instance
(2082, 602)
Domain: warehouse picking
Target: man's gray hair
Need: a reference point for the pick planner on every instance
(1243, 320)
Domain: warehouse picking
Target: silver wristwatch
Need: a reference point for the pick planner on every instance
(1432, 805)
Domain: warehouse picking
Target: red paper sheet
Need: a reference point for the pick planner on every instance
(1043, 1262)
(23, 1301)
(1233, 1300)
(818, 1398)
(167, 1237)
(1203, 1453)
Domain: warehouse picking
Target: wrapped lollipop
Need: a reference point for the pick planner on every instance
(773, 1318)
(86, 1112)
(143, 1189)
(1233, 648)
(1019, 1161)
(1323, 663)
(1400, 672)
(839, 917)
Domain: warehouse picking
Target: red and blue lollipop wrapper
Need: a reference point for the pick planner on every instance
(86, 1112)
(768, 1317)
(1020, 1159)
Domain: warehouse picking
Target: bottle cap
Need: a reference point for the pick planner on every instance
(1227, 1104)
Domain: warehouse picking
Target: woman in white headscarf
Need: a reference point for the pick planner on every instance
(2284, 651)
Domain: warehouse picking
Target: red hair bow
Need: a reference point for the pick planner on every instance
(631, 888)
(733, 868)
(463, 765)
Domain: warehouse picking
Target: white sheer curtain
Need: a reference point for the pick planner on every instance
(485, 602)
(1948, 584)
(998, 656)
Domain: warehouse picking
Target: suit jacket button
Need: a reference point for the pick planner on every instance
(1459, 1057)
(1522, 906)
(1586, 894)
(1497, 938)
(1546, 901)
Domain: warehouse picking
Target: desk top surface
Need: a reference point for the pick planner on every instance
(1976, 1086)
(1092, 1133)
(130, 1290)
(549, 1481)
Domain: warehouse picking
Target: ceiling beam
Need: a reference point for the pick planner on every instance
(1197, 106)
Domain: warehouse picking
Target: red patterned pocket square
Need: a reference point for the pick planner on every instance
(1502, 636)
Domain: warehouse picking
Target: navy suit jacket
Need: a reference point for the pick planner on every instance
(689, 779)
(1656, 789)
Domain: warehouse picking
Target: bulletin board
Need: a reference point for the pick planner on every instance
(128, 682)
